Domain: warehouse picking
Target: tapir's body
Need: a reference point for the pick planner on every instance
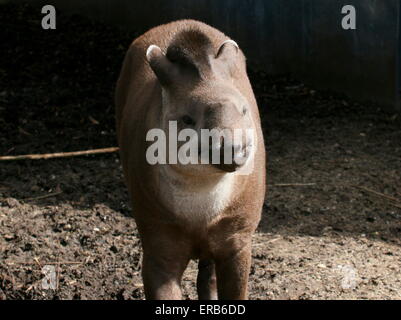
(185, 214)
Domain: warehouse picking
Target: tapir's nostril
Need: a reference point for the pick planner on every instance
(187, 120)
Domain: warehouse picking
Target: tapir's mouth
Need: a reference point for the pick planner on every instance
(236, 163)
(227, 167)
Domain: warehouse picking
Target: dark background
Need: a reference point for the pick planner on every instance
(302, 37)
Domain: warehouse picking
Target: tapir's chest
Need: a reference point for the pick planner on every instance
(197, 205)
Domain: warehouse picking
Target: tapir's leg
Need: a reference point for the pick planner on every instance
(162, 277)
(233, 273)
(206, 282)
(164, 262)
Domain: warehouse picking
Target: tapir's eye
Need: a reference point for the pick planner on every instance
(244, 110)
(188, 120)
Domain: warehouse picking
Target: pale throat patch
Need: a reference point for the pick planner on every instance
(196, 203)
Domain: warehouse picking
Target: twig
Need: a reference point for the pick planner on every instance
(43, 197)
(264, 241)
(382, 195)
(38, 262)
(46, 263)
(274, 240)
(59, 154)
(292, 185)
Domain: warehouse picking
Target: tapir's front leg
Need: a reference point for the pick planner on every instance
(232, 272)
(162, 277)
(165, 259)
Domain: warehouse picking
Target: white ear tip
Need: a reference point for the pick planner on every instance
(150, 49)
(231, 42)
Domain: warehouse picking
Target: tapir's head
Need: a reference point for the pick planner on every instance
(200, 95)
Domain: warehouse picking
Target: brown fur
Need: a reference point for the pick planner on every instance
(222, 242)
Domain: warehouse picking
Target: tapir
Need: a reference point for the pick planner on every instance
(190, 74)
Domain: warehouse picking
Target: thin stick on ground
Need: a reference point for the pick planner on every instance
(379, 194)
(38, 262)
(47, 263)
(59, 154)
(292, 185)
(44, 197)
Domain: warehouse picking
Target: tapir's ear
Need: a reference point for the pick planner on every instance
(228, 51)
(161, 66)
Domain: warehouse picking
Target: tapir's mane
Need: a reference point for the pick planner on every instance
(191, 48)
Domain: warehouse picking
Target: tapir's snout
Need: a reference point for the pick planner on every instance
(229, 156)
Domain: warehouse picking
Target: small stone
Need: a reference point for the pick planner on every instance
(11, 202)
(9, 237)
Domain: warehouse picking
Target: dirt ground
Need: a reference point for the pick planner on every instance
(324, 234)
